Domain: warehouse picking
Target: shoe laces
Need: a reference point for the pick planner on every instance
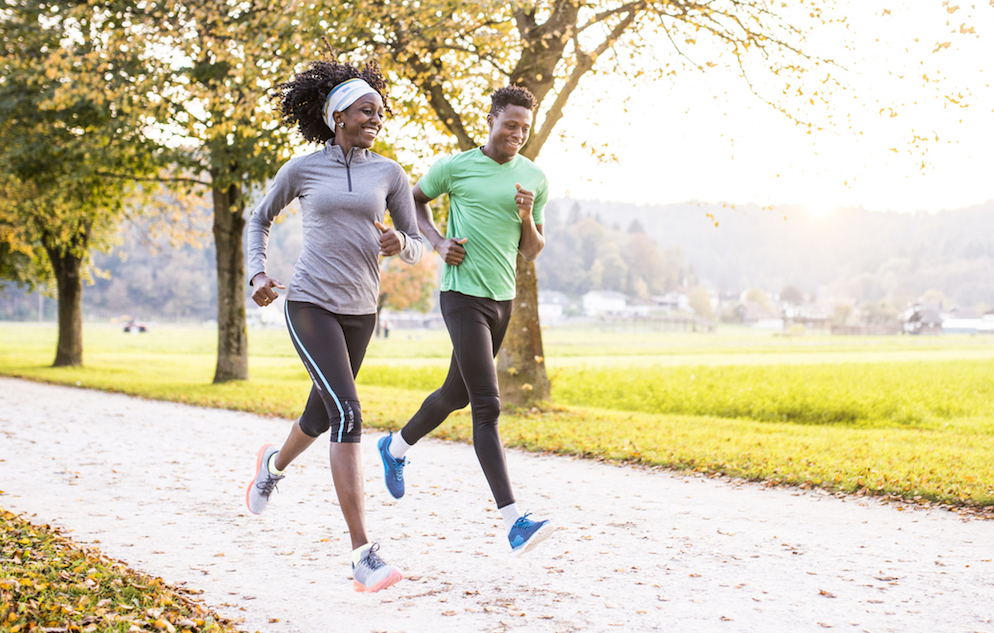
(267, 487)
(524, 522)
(398, 471)
(372, 559)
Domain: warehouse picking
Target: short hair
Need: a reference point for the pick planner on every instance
(302, 99)
(511, 95)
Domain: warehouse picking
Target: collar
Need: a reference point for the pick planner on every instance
(355, 155)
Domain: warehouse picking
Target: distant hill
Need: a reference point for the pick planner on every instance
(853, 253)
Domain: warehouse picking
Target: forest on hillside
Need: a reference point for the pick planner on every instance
(642, 251)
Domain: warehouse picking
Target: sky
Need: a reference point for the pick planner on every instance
(704, 137)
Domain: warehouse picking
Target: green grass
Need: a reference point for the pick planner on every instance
(904, 416)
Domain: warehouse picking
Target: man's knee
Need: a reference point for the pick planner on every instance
(486, 410)
(452, 401)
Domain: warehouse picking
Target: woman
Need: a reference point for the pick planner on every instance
(343, 190)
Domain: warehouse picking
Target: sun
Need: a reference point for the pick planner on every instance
(820, 208)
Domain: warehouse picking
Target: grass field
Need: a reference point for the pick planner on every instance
(905, 416)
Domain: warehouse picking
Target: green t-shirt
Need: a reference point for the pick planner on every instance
(482, 209)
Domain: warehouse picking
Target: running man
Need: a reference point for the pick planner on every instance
(496, 204)
(344, 190)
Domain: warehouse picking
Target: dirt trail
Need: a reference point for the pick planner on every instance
(161, 487)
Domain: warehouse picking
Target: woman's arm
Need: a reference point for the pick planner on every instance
(281, 193)
(404, 239)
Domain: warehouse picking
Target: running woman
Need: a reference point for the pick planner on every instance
(344, 190)
(496, 204)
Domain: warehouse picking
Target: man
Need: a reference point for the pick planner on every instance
(496, 210)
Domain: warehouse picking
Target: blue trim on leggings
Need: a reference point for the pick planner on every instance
(310, 361)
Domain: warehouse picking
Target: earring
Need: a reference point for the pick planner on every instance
(340, 124)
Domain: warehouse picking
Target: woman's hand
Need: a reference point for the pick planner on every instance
(262, 289)
(391, 242)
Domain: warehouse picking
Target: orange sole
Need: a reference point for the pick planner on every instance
(390, 580)
(258, 463)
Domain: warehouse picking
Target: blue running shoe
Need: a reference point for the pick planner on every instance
(526, 534)
(393, 468)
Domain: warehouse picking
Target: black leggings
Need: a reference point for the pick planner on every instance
(332, 347)
(476, 326)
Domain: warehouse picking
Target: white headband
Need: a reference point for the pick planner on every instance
(342, 96)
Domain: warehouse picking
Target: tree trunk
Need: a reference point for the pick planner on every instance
(521, 362)
(69, 351)
(232, 332)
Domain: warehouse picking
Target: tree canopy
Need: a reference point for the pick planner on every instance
(449, 56)
(70, 114)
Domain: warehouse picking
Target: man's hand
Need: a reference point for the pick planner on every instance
(525, 200)
(262, 289)
(451, 250)
(390, 241)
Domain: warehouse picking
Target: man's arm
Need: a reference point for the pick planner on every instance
(532, 239)
(450, 249)
(532, 236)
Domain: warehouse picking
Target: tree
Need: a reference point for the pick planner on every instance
(59, 133)
(211, 101)
(700, 302)
(233, 55)
(792, 295)
(453, 55)
(759, 296)
(405, 287)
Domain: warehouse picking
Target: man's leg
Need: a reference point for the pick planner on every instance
(480, 376)
(451, 396)
(476, 327)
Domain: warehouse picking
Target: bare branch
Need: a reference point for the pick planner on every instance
(585, 62)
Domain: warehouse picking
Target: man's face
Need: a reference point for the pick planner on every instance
(509, 130)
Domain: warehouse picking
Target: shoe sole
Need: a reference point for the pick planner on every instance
(540, 535)
(255, 475)
(389, 581)
(386, 468)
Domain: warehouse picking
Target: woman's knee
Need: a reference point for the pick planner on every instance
(343, 417)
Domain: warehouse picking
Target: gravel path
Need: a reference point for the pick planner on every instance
(161, 487)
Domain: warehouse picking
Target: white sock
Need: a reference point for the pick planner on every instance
(358, 552)
(398, 447)
(271, 465)
(511, 515)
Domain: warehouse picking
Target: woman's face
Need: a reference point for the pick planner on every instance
(363, 121)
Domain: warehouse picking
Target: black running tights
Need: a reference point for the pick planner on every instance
(476, 326)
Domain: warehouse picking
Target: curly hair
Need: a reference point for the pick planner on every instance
(511, 95)
(302, 99)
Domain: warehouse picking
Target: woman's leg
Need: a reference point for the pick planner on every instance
(296, 443)
(346, 472)
(332, 348)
